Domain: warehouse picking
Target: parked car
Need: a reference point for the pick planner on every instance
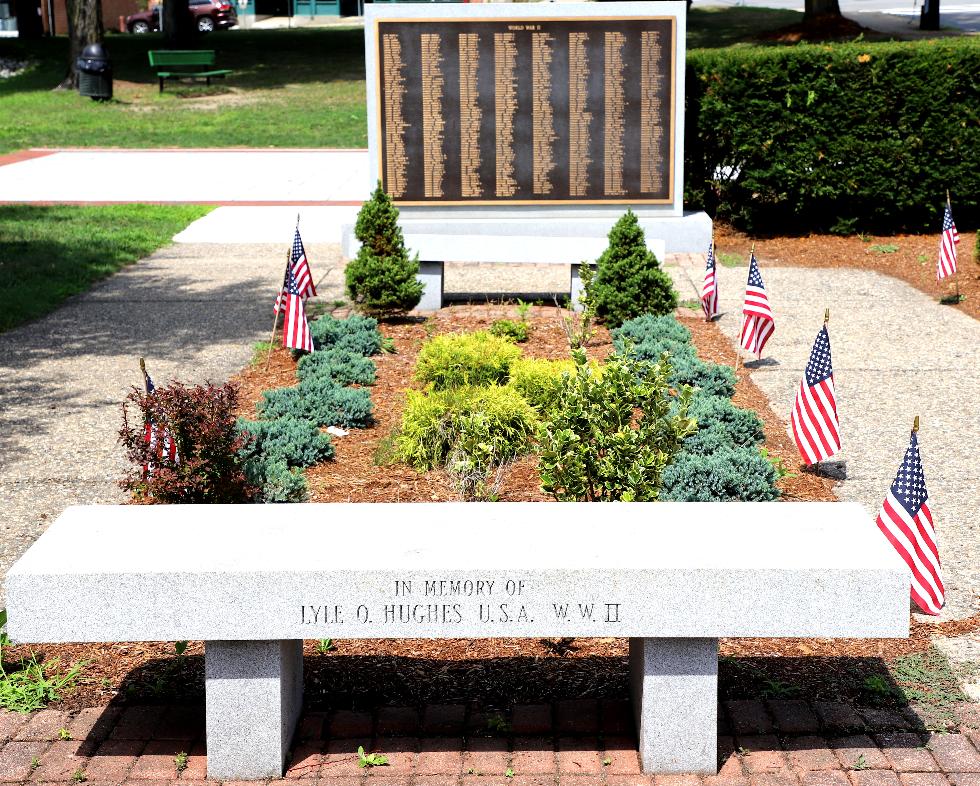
(208, 15)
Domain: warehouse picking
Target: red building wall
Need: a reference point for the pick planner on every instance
(111, 11)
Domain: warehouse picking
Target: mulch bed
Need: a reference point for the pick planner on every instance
(499, 672)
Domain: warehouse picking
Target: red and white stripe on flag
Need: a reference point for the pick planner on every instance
(296, 329)
(758, 323)
(301, 267)
(162, 446)
(906, 521)
(947, 246)
(709, 291)
(814, 422)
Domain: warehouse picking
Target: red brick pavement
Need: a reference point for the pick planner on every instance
(586, 743)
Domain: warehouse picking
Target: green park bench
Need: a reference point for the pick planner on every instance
(185, 64)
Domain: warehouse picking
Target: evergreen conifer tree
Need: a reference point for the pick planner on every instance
(629, 281)
(382, 278)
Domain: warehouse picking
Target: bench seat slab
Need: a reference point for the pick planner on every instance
(254, 692)
(675, 700)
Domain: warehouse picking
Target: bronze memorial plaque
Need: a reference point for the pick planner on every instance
(526, 111)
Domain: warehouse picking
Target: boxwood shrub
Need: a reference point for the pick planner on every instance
(341, 365)
(845, 137)
(727, 474)
(458, 359)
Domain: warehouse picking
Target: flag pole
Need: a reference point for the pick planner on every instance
(145, 375)
(711, 251)
(956, 280)
(737, 338)
(915, 425)
(275, 316)
(826, 316)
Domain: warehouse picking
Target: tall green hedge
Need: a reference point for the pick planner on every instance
(841, 137)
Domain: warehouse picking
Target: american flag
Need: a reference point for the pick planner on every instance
(296, 330)
(947, 246)
(907, 523)
(757, 320)
(709, 292)
(158, 437)
(300, 265)
(814, 417)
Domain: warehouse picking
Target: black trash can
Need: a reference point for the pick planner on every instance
(94, 73)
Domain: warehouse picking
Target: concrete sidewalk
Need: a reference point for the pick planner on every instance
(192, 311)
(221, 176)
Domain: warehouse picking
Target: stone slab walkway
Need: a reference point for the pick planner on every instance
(221, 176)
(192, 311)
(568, 743)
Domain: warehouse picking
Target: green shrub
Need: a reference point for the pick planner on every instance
(299, 443)
(477, 457)
(727, 474)
(276, 481)
(741, 426)
(357, 334)
(459, 359)
(518, 332)
(540, 381)
(710, 379)
(342, 366)
(382, 278)
(433, 421)
(629, 281)
(321, 401)
(844, 137)
(652, 349)
(596, 449)
(650, 327)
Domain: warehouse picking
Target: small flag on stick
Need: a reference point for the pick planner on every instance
(905, 519)
(156, 435)
(709, 292)
(757, 320)
(297, 262)
(295, 330)
(947, 245)
(814, 418)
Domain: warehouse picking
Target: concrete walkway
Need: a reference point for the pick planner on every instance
(897, 353)
(225, 176)
(193, 311)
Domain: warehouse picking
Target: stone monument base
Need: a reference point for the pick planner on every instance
(440, 236)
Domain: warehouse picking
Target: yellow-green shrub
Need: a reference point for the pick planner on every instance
(459, 359)
(540, 381)
(435, 420)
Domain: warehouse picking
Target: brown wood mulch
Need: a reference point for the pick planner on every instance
(494, 672)
(911, 258)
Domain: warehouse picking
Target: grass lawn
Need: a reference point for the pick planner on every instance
(290, 88)
(48, 254)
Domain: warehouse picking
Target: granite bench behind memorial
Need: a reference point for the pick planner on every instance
(672, 577)
(543, 240)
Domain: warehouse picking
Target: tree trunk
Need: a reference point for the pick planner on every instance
(815, 8)
(178, 26)
(84, 28)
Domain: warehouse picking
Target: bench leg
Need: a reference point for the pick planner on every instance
(675, 700)
(254, 693)
(430, 275)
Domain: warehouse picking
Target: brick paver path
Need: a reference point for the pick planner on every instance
(568, 743)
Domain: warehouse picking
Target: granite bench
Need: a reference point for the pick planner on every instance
(253, 583)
